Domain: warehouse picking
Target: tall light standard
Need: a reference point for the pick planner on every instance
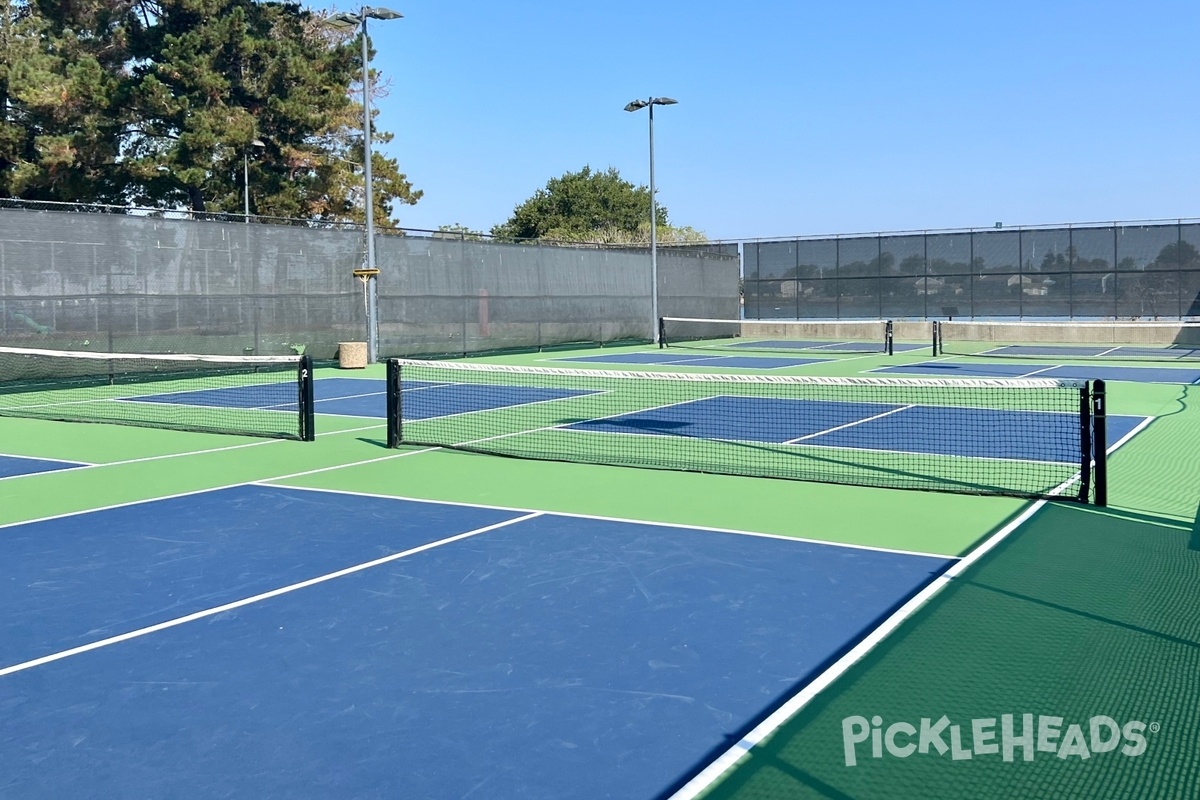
(637, 105)
(345, 21)
(246, 175)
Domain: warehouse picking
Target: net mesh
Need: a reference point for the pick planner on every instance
(1024, 438)
(1137, 341)
(253, 396)
(815, 336)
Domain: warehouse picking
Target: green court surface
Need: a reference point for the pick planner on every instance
(1060, 611)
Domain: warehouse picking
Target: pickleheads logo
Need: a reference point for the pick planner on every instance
(989, 737)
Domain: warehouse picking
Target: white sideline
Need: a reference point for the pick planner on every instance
(724, 762)
(209, 612)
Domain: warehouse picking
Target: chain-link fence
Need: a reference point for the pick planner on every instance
(121, 280)
(1118, 271)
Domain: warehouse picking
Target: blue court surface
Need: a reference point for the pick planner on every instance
(694, 360)
(11, 466)
(939, 430)
(947, 369)
(357, 397)
(1095, 351)
(833, 347)
(268, 642)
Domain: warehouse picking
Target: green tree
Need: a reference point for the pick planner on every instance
(1178, 254)
(1052, 261)
(583, 206)
(156, 102)
(459, 231)
(216, 74)
(665, 234)
(57, 98)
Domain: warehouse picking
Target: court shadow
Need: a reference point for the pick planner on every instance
(1182, 400)
(644, 425)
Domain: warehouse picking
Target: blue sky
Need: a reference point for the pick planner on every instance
(802, 118)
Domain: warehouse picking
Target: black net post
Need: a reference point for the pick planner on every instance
(1085, 444)
(308, 429)
(889, 338)
(1100, 443)
(937, 335)
(393, 404)
(662, 333)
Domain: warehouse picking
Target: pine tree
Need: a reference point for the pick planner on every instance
(157, 103)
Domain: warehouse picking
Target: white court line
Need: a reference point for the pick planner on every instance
(1043, 369)
(601, 518)
(569, 426)
(271, 482)
(1141, 365)
(816, 445)
(696, 362)
(573, 428)
(899, 370)
(348, 397)
(209, 612)
(46, 458)
(1136, 430)
(75, 468)
(849, 424)
(844, 360)
(578, 394)
(689, 360)
(724, 762)
(144, 401)
(812, 345)
(727, 760)
(184, 454)
(217, 488)
(715, 769)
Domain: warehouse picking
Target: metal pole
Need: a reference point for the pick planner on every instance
(246, 184)
(372, 302)
(653, 238)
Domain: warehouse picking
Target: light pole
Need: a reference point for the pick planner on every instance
(345, 21)
(635, 106)
(246, 175)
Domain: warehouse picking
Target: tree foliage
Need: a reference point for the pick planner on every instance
(157, 102)
(1182, 253)
(589, 206)
(459, 231)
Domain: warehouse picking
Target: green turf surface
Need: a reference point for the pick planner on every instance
(1081, 612)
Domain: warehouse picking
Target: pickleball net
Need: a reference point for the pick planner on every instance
(1025, 438)
(779, 336)
(1115, 340)
(251, 395)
